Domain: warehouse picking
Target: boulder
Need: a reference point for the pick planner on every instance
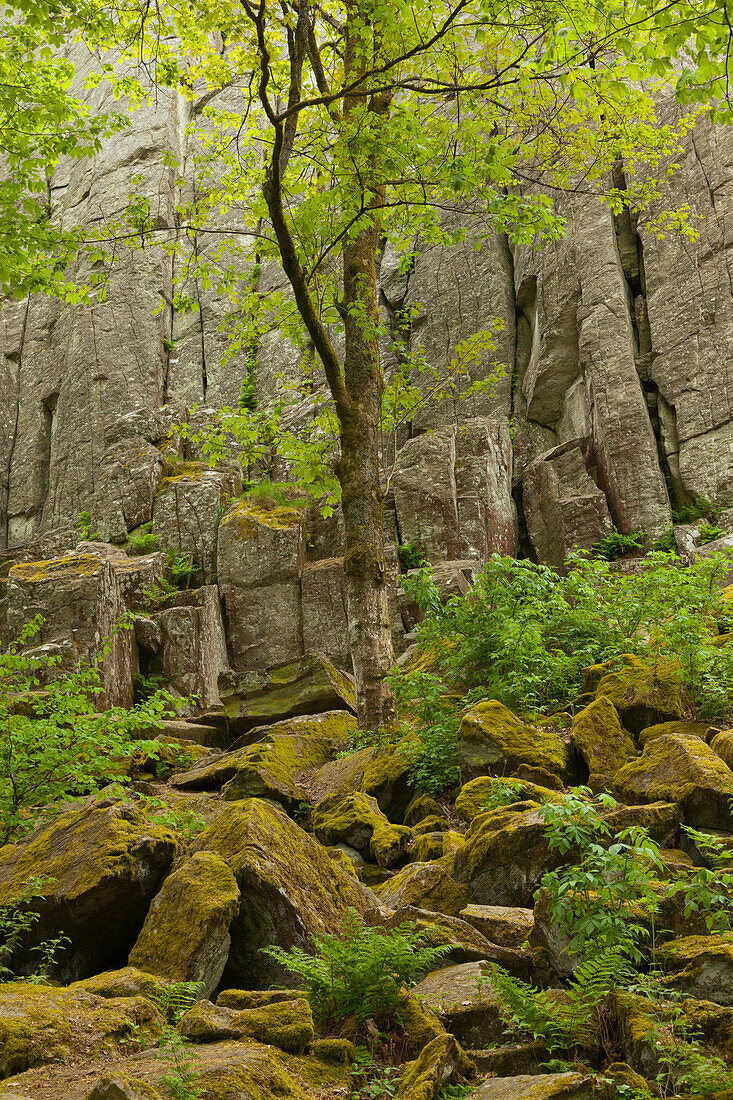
(323, 604)
(699, 967)
(256, 998)
(129, 473)
(426, 885)
(120, 1086)
(542, 1086)
(600, 738)
(506, 925)
(462, 942)
(105, 862)
(687, 729)
(467, 1004)
(284, 1024)
(186, 932)
(684, 770)
(388, 778)
(436, 1065)
(260, 554)
(722, 744)
(492, 741)
(341, 776)
(644, 695)
(505, 856)
(271, 767)
(310, 685)
(356, 820)
(126, 982)
(473, 797)
(42, 1024)
(292, 889)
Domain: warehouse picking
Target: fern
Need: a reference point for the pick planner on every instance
(175, 999)
(598, 975)
(559, 1023)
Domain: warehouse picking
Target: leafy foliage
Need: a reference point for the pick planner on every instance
(360, 971)
(144, 540)
(54, 742)
(16, 921)
(616, 545)
(86, 527)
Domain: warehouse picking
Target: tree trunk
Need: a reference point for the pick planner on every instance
(358, 469)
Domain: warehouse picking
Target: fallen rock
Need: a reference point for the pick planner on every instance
(356, 820)
(474, 797)
(506, 925)
(42, 1024)
(119, 1086)
(722, 745)
(600, 738)
(292, 888)
(285, 1024)
(341, 776)
(505, 856)
(492, 741)
(688, 729)
(644, 695)
(463, 943)
(106, 863)
(543, 1086)
(388, 779)
(467, 1004)
(699, 967)
(310, 685)
(272, 766)
(435, 1066)
(186, 932)
(425, 885)
(684, 770)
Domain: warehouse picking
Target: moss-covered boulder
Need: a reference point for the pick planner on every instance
(421, 808)
(340, 776)
(105, 862)
(492, 741)
(43, 1024)
(474, 797)
(292, 889)
(121, 1086)
(463, 943)
(600, 738)
(722, 745)
(126, 982)
(309, 685)
(644, 695)
(388, 779)
(251, 1071)
(272, 766)
(504, 857)
(641, 1029)
(687, 729)
(543, 1086)
(700, 967)
(256, 998)
(186, 932)
(285, 1024)
(425, 847)
(684, 770)
(426, 885)
(436, 1066)
(357, 820)
(506, 925)
(619, 1080)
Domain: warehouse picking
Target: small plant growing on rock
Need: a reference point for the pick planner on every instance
(359, 972)
(710, 532)
(16, 921)
(144, 540)
(85, 524)
(180, 568)
(616, 545)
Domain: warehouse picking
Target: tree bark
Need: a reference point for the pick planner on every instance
(358, 469)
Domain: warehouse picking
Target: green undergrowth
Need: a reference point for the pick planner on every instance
(525, 634)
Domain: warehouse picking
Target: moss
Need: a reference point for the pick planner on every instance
(621, 1074)
(438, 1063)
(600, 738)
(684, 770)
(40, 1024)
(389, 843)
(422, 807)
(508, 926)
(420, 1023)
(127, 982)
(643, 694)
(426, 847)
(492, 740)
(687, 729)
(118, 1084)
(248, 515)
(452, 842)
(427, 886)
(188, 920)
(430, 825)
(473, 796)
(284, 1024)
(722, 746)
(344, 860)
(387, 779)
(265, 1076)
(334, 1050)
(57, 569)
(351, 820)
(255, 998)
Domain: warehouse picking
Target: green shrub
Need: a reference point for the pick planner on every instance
(85, 525)
(616, 545)
(16, 921)
(710, 532)
(180, 568)
(360, 972)
(143, 540)
(54, 743)
(411, 556)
